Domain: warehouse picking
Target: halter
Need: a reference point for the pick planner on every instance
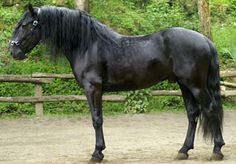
(35, 23)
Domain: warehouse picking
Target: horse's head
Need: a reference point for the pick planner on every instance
(26, 35)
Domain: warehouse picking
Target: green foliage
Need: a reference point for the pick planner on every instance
(62, 87)
(129, 18)
(165, 85)
(165, 103)
(111, 108)
(222, 2)
(13, 89)
(225, 42)
(66, 108)
(15, 110)
(163, 16)
(67, 3)
(137, 102)
(224, 12)
(130, 21)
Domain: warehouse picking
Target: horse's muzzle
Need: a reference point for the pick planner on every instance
(17, 53)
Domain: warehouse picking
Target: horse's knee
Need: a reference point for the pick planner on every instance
(193, 115)
(97, 122)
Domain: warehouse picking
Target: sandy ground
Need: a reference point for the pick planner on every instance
(129, 139)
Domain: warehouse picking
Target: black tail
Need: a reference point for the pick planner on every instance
(212, 118)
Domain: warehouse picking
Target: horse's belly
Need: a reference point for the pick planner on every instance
(133, 81)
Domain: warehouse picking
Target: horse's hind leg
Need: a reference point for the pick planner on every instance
(218, 143)
(192, 113)
(211, 119)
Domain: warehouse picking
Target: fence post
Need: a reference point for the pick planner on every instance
(39, 106)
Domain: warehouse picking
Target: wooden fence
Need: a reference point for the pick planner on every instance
(38, 79)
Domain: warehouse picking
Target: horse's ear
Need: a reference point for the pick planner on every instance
(31, 9)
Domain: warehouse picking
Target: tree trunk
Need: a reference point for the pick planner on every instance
(82, 4)
(204, 15)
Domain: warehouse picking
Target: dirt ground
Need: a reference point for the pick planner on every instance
(148, 139)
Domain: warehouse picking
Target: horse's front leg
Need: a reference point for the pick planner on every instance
(94, 96)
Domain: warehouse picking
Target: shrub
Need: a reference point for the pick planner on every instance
(137, 101)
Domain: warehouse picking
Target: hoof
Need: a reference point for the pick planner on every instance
(182, 156)
(97, 158)
(217, 156)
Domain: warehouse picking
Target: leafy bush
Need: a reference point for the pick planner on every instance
(13, 109)
(156, 15)
(224, 38)
(163, 16)
(137, 102)
(223, 12)
(62, 87)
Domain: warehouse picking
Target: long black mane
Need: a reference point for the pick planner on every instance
(66, 30)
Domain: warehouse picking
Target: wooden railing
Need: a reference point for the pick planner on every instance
(41, 78)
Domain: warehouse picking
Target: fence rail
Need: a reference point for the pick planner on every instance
(41, 78)
(40, 99)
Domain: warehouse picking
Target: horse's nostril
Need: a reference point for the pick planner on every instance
(11, 53)
(17, 43)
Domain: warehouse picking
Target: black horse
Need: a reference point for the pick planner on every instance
(103, 61)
